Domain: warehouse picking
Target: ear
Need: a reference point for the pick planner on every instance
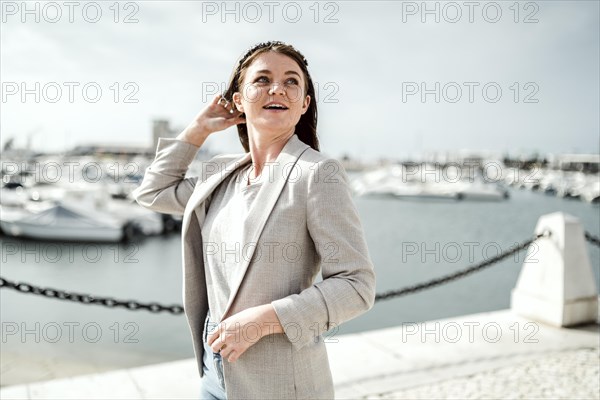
(307, 100)
(237, 100)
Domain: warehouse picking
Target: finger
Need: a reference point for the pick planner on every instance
(214, 336)
(217, 98)
(223, 101)
(210, 338)
(218, 333)
(219, 343)
(228, 106)
(226, 351)
(228, 122)
(232, 356)
(216, 346)
(235, 121)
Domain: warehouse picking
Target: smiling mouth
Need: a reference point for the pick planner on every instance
(273, 107)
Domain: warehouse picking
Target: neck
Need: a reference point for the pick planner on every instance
(265, 148)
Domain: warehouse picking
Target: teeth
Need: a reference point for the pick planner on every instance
(275, 106)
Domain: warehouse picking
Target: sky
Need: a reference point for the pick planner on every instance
(394, 79)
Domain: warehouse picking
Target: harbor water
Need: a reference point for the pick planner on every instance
(410, 242)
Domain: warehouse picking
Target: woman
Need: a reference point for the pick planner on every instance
(257, 229)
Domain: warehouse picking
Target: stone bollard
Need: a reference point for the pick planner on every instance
(556, 284)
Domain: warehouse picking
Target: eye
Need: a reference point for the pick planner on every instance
(261, 79)
(291, 81)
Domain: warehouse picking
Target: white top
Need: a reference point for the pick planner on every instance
(223, 249)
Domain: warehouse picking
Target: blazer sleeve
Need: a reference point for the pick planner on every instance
(348, 286)
(164, 188)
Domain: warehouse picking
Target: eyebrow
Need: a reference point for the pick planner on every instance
(266, 71)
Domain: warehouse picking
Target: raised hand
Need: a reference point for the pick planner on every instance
(216, 116)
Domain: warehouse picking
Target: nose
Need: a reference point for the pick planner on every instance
(278, 88)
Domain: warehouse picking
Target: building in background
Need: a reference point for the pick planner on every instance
(162, 128)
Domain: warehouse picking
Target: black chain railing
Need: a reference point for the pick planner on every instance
(592, 239)
(459, 274)
(87, 298)
(177, 309)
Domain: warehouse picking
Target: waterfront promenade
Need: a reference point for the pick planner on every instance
(482, 356)
(506, 354)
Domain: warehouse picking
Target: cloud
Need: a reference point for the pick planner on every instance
(363, 61)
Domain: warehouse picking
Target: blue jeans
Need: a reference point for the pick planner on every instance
(212, 384)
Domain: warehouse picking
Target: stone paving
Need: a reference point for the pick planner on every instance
(563, 375)
(495, 355)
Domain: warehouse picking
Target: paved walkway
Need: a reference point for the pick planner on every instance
(565, 375)
(480, 356)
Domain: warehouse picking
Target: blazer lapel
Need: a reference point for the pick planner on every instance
(277, 176)
(203, 190)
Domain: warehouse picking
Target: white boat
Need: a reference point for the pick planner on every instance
(13, 197)
(400, 183)
(591, 193)
(60, 222)
(480, 191)
(50, 213)
(425, 191)
(147, 222)
(125, 209)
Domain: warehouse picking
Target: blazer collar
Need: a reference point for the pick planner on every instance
(278, 173)
(290, 153)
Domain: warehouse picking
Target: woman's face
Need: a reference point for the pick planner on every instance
(272, 95)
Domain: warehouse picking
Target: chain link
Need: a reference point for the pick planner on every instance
(178, 309)
(449, 278)
(89, 299)
(592, 239)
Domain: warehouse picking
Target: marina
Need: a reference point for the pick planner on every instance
(88, 198)
(78, 229)
(410, 242)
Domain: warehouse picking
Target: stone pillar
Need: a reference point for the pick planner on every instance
(557, 285)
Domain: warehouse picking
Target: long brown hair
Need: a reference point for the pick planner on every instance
(306, 128)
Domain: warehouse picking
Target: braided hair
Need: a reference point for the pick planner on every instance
(306, 128)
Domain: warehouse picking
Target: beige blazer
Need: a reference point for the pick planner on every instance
(303, 222)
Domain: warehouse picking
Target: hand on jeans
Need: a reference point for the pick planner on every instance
(234, 335)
